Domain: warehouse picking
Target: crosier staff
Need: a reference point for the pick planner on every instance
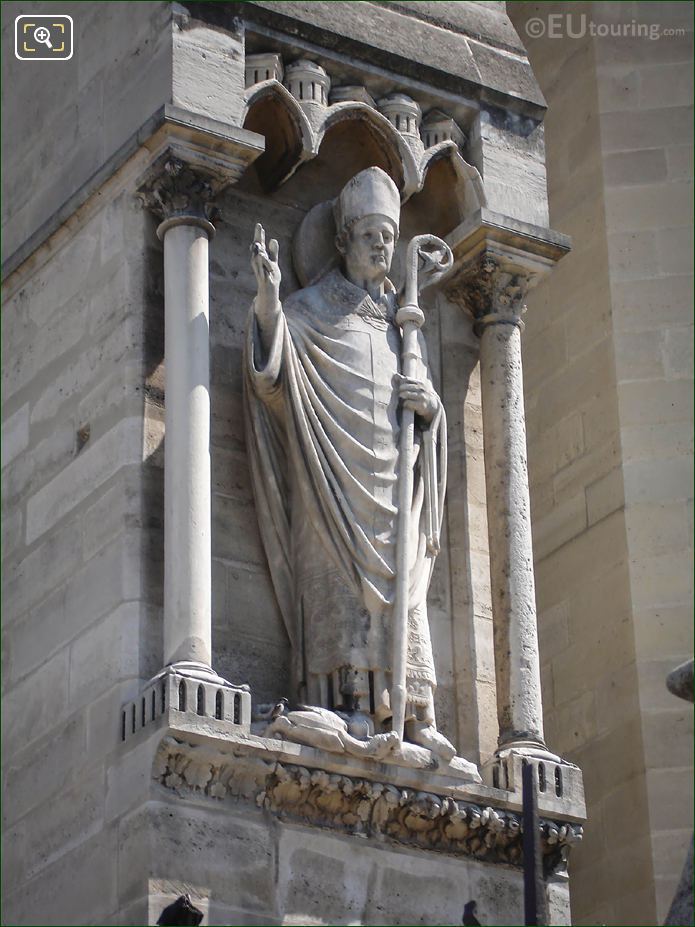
(436, 258)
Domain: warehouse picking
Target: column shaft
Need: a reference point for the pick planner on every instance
(517, 668)
(187, 544)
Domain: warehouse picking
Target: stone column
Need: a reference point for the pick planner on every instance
(494, 274)
(183, 198)
(517, 669)
(186, 161)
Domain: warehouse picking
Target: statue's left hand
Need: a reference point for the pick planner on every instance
(418, 396)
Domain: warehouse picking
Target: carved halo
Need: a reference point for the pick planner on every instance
(313, 247)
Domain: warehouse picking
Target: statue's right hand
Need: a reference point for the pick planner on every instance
(264, 262)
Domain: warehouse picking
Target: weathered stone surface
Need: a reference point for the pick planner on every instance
(79, 118)
(41, 770)
(33, 576)
(35, 705)
(90, 872)
(448, 57)
(118, 448)
(15, 434)
(477, 20)
(615, 298)
(208, 69)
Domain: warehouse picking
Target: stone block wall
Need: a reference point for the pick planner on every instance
(81, 625)
(128, 62)
(645, 97)
(257, 870)
(608, 375)
(119, 75)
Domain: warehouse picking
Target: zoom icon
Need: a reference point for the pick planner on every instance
(43, 38)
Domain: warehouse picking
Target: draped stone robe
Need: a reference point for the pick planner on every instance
(323, 422)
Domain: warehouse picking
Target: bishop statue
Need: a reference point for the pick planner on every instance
(324, 395)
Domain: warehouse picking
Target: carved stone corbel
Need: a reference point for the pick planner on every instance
(492, 290)
(354, 805)
(180, 190)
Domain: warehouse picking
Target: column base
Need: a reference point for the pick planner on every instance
(528, 748)
(560, 784)
(188, 686)
(192, 669)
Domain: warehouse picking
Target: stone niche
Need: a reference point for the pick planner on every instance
(260, 829)
(315, 141)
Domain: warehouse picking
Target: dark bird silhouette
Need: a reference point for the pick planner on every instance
(182, 911)
(469, 918)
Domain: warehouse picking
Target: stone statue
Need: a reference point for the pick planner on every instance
(324, 392)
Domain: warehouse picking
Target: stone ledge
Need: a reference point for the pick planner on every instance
(486, 226)
(225, 741)
(310, 787)
(475, 20)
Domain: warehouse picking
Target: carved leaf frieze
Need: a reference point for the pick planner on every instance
(359, 806)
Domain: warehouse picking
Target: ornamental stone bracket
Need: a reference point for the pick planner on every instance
(373, 800)
(192, 159)
(497, 260)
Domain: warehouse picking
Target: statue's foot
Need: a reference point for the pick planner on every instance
(377, 746)
(383, 744)
(426, 735)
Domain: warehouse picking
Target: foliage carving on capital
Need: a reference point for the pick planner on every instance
(179, 190)
(492, 289)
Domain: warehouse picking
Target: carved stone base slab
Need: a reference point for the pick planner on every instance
(435, 816)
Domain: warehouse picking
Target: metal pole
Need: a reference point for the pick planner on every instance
(535, 895)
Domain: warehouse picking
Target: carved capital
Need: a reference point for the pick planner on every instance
(497, 260)
(180, 191)
(492, 290)
(191, 160)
